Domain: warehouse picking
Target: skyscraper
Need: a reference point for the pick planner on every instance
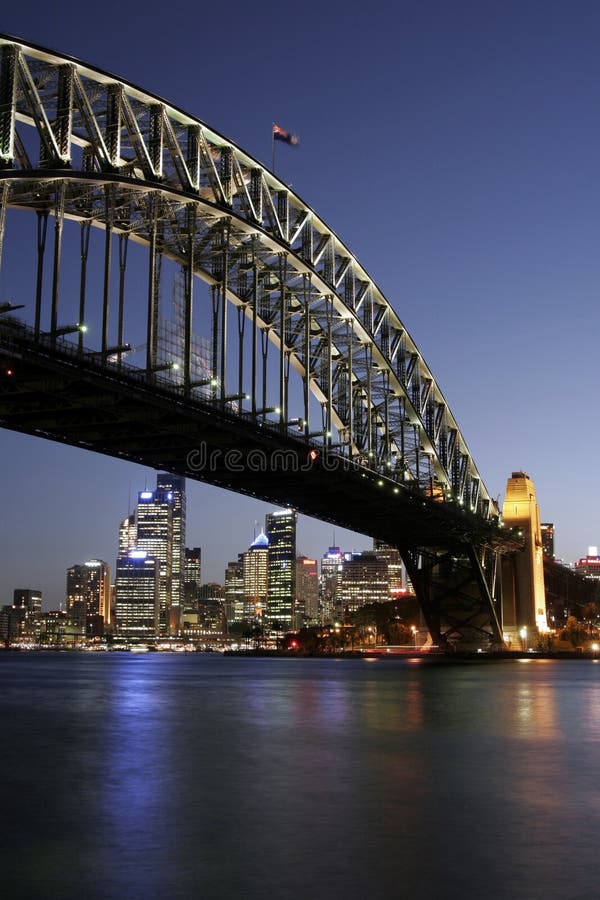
(391, 555)
(255, 563)
(137, 591)
(331, 579)
(547, 529)
(154, 526)
(280, 528)
(175, 485)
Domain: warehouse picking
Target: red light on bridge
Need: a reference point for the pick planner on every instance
(313, 455)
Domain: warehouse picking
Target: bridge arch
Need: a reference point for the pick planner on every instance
(78, 145)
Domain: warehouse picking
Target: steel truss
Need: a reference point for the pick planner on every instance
(78, 144)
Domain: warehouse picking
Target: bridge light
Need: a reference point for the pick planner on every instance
(380, 482)
(313, 455)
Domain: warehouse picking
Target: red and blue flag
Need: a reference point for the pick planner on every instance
(280, 134)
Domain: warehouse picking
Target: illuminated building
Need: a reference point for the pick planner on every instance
(138, 595)
(154, 525)
(88, 597)
(523, 592)
(364, 581)
(127, 534)
(589, 566)
(547, 529)
(307, 592)
(192, 578)
(234, 590)
(175, 485)
(255, 563)
(331, 580)
(280, 528)
(395, 568)
(28, 599)
(211, 612)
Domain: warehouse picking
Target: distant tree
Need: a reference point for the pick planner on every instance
(574, 632)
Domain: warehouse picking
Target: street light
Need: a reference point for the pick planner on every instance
(415, 632)
(523, 636)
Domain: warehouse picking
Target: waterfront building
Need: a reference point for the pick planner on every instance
(234, 590)
(307, 610)
(255, 565)
(364, 581)
(88, 597)
(138, 595)
(27, 610)
(280, 528)
(28, 599)
(211, 612)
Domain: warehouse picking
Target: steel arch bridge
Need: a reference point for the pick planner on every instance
(283, 373)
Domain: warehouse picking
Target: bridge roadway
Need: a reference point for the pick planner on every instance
(57, 393)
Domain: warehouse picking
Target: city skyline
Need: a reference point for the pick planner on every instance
(461, 167)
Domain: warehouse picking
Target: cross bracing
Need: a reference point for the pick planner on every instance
(79, 144)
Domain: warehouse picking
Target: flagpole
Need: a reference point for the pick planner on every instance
(273, 149)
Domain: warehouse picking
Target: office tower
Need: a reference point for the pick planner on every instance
(88, 597)
(154, 525)
(127, 534)
(280, 528)
(175, 485)
(331, 579)
(192, 578)
(547, 529)
(256, 575)
(364, 581)
(234, 590)
(307, 592)
(396, 575)
(138, 595)
(589, 566)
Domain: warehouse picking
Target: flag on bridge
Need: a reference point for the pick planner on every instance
(280, 134)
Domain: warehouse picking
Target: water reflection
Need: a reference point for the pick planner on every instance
(183, 776)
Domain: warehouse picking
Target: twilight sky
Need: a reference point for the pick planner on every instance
(455, 148)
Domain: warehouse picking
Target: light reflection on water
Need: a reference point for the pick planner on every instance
(179, 776)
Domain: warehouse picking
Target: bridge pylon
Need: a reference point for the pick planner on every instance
(524, 595)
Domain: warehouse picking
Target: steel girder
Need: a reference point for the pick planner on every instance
(113, 155)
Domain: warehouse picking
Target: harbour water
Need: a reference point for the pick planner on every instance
(200, 776)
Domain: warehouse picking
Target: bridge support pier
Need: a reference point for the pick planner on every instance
(455, 589)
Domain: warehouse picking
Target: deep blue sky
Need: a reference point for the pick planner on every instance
(455, 147)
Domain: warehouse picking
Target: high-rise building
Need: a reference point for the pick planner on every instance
(88, 597)
(589, 566)
(138, 596)
(547, 529)
(255, 563)
(175, 485)
(234, 590)
(307, 610)
(331, 580)
(192, 578)
(27, 610)
(364, 581)
(280, 528)
(154, 526)
(127, 534)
